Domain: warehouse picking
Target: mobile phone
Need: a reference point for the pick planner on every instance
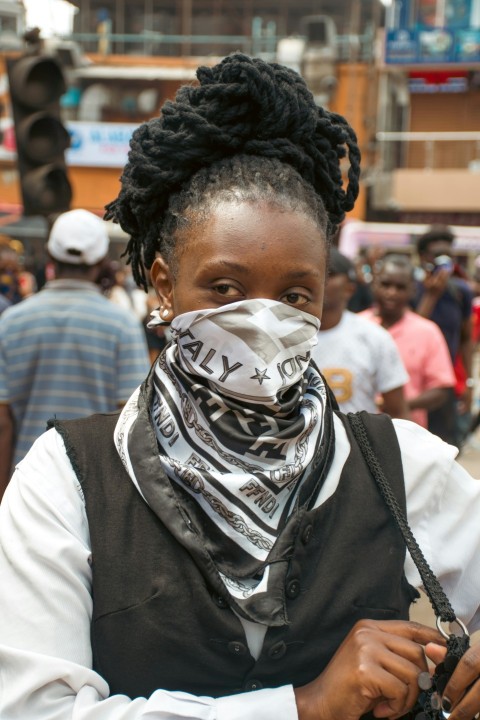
(443, 262)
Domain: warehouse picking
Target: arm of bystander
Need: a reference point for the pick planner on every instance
(395, 404)
(6, 446)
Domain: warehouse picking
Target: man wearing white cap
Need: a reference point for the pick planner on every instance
(67, 351)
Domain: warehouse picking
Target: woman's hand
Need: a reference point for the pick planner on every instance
(461, 697)
(376, 669)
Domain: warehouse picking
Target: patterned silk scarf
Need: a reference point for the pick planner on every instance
(239, 418)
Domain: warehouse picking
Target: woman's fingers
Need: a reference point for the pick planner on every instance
(407, 673)
(420, 634)
(411, 651)
(394, 695)
(468, 707)
(462, 692)
(376, 667)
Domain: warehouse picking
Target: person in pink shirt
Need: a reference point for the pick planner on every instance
(420, 342)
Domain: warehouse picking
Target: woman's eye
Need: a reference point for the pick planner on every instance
(224, 289)
(295, 299)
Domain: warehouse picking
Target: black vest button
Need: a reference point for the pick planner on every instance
(277, 651)
(220, 601)
(253, 685)
(293, 589)
(307, 534)
(237, 648)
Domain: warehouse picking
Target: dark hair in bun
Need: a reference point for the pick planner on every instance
(249, 130)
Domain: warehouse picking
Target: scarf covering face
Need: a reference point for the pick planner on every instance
(238, 415)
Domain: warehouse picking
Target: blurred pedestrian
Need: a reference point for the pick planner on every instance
(27, 284)
(475, 286)
(362, 297)
(4, 304)
(9, 274)
(115, 281)
(66, 351)
(359, 360)
(420, 342)
(446, 299)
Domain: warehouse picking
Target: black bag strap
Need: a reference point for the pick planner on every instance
(439, 601)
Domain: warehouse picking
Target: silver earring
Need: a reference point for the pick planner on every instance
(165, 313)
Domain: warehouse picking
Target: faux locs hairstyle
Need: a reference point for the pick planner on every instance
(249, 130)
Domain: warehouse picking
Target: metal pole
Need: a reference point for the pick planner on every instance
(186, 26)
(429, 154)
(148, 24)
(248, 26)
(85, 19)
(120, 22)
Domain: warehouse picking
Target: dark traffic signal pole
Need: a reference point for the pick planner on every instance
(36, 84)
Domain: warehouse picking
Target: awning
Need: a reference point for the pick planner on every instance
(111, 72)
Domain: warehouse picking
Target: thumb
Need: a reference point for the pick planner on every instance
(435, 653)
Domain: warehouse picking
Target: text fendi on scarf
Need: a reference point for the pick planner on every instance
(239, 416)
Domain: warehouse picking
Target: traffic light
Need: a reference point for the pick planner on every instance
(36, 85)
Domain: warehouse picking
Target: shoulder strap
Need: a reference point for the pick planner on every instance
(436, 595)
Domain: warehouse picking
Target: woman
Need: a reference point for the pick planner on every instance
(219, 550)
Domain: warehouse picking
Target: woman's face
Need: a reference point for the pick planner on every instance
(243, 251)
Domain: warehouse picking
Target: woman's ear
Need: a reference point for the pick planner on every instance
(162, 281)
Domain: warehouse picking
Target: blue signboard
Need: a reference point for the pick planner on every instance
(467, 46)
(401, 46)
(430, 46)
(436, 45)
(415, 39)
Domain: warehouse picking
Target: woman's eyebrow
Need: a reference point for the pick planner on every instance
(226, 265)
(299, 274)
(238, 267)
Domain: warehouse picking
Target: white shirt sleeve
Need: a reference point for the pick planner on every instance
(443, 508)
(46, 607)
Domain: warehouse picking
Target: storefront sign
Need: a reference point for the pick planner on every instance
(92, 144)
(432, 45)
(99, 144)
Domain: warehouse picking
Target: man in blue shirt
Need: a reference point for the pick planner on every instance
(67, 351)
(447, 300)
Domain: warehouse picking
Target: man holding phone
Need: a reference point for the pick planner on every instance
(447, 300)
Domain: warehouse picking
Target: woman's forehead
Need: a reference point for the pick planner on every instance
(238, 229)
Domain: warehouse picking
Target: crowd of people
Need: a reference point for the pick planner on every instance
(214, 542)
(428, 302)
(421, 369)
(428, 309)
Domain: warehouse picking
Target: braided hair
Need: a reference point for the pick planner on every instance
(250, 130)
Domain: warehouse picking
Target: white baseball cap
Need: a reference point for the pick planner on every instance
(78, 237)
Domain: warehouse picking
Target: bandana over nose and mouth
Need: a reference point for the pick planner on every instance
(240, 419)
(252, 350)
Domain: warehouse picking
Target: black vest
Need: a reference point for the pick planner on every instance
(158, 624)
